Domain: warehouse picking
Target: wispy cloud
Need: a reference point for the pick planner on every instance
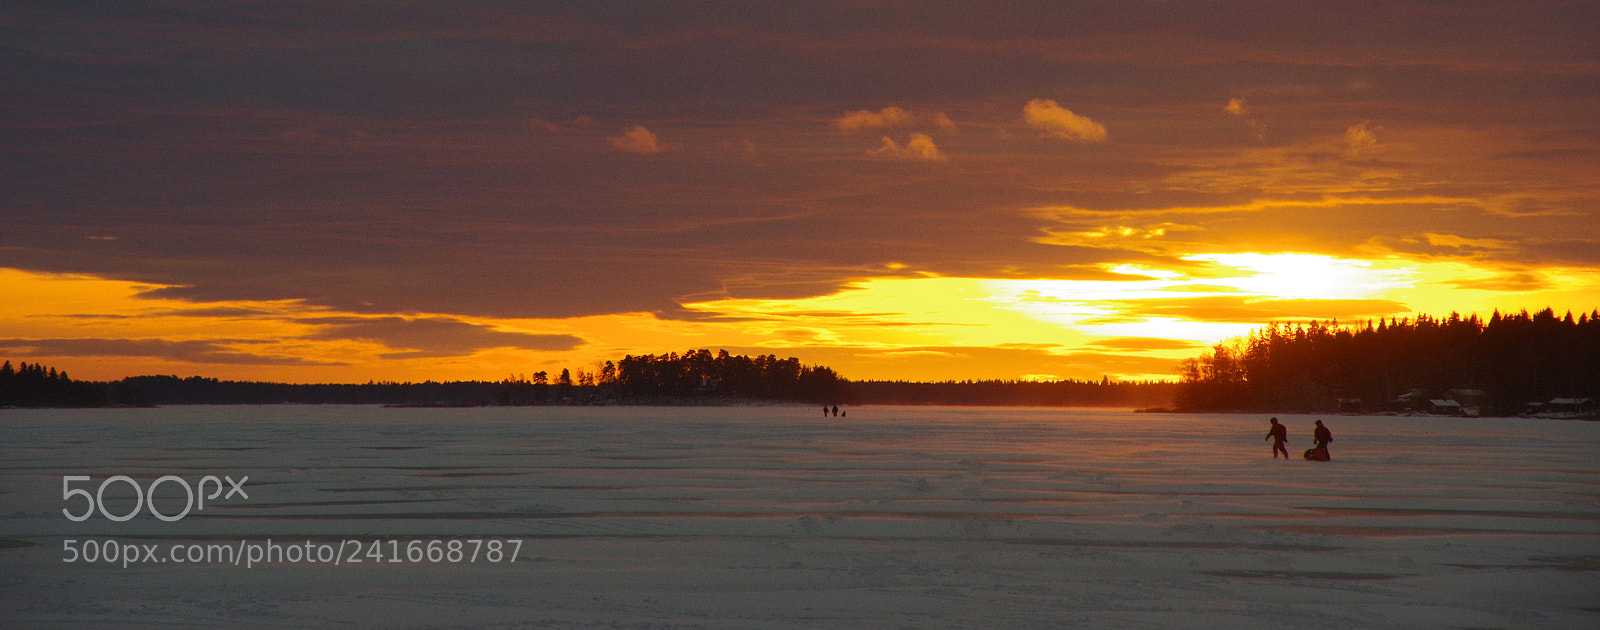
(1517, 281)
(1262, 310)
(1137, 344)
(1360, 140)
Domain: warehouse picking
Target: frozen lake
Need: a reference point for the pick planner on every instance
(776, 517)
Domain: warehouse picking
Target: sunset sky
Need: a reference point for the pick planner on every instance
(345, 191)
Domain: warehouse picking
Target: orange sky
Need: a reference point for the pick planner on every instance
(470, 191)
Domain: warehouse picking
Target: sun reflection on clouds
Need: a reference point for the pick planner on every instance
(1307, 276)
(1205, 333)
(1103, 309)
(1140, 270)
(1238, 289)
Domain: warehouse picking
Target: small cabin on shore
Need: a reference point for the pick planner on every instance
(1571, 407)
(1409, 402)
(1445, 407)
(1468, 397)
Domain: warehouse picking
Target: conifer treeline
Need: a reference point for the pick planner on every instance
(37, 386)
(1512, 359)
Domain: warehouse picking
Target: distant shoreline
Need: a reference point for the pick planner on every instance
(711, 404)
(666, 383)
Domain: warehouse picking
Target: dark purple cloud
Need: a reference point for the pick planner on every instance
(435, 336)
(385, 162)
(218, 351)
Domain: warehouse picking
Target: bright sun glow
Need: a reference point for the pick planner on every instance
(1305, 276)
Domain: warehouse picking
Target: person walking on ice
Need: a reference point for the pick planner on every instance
(1279, 435)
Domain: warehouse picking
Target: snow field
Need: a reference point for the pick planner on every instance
(776, 517)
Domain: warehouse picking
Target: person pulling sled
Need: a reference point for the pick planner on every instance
(1319, 439)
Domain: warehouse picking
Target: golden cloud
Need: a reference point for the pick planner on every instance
(919, 148)
(1059, 122)
(894, 117)
(637, 140)
(867, 119)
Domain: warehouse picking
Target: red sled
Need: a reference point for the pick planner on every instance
(1319, 454)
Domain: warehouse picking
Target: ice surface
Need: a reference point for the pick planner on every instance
(777, 517)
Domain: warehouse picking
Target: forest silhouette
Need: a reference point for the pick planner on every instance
(1457, 364)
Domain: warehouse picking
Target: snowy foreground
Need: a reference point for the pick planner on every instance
(775, 517)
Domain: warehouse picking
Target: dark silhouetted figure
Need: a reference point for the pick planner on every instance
(824, 410)
(1279, 435)
(1319, 443)
(836, 411)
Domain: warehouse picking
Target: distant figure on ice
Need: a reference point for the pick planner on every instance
(836, 411)
(824, 410)
(1319, 443)
(1279, 435)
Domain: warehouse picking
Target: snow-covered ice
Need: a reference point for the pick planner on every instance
(778, 517)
